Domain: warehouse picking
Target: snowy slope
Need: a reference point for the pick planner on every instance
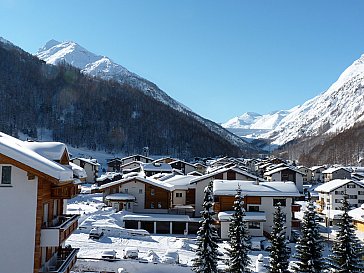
(55, 52)
(335, 110)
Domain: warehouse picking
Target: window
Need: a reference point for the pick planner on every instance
(152, 205)
(338, 200)
(159, 205)
(140, 191)
(253, 225)
(178, 194)
(152, 192)
(126, 190)
(361, 192)
(352, 197)
(282, 202)
(253, 208)
(351, 186)
(340, 192)
(361, 201)
(6, 175)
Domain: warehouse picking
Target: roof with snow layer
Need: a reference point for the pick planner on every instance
(25, 153)
(336, 183)
(252, 188)
(222, 170)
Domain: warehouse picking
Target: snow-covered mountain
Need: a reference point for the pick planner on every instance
(253, 125)
(251, 120)
(55, 52)
(338, 108)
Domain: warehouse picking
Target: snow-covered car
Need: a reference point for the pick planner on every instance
(108, 255)
(131, 253)
(255, 245)
(95, 234)
(171, 257)
(266, 245)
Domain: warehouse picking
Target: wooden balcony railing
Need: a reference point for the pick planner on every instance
(63, 263)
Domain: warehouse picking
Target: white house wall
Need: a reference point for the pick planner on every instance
(133, 188)
(18, 214)
(267, 206)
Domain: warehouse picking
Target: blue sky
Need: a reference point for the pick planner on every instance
(220, 58)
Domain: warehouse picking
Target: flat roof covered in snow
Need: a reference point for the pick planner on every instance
(252, 188)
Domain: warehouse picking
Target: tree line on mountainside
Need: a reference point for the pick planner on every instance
(346, 148)
(96, 114)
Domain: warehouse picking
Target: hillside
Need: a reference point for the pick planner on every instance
(85, 111)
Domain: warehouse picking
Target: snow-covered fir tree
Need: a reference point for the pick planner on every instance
(347, 251)
(279, 253)
(238, 259)
(207, 253)
(310, 243)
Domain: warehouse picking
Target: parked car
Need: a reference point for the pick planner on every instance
(95, 234)
(109, 255)
(171, 257)
(131, 253)
(255, 245)
(266, 245)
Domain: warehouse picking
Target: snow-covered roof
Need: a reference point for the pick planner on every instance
(249, 216)
(157, 183)
(50, 150)
(252, 188)
(120, 197)
(78, 171)
(19, 151)
(157, 167)
(180, 182)
(137, 155)
(314, 168)
(184, 162)
(277, 170)
(332, 170)
(357, 214)
(91, 161)
(222, 170)
(334, 184)
(159, 217)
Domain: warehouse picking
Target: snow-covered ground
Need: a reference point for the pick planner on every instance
(151, 248)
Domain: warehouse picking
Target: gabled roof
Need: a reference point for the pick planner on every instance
(91, 161)
(335, 184)
(178, 160)
(21, 152)
(314, 168)
(157, 167)
(252, 188)
(157, 183)
(281, 169)
(332, 170)
(235, 169)
(132, 156)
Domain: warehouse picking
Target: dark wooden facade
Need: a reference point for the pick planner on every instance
(156, 197)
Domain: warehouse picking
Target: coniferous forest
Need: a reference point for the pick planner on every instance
(96, 114)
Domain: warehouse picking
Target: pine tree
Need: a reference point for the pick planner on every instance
(310, 244)
(347, 251)
(239, 243)
(278, 254)
(207, 253)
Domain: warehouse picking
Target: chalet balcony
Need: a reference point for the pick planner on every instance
(55, 232)
(296, 208)
(62, 262)
(182, 210)
(65, 192)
